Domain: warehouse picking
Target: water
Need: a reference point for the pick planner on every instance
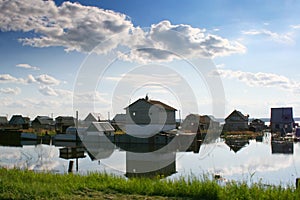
(249, 161)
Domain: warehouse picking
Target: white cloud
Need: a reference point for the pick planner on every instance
(165, 42)
(7, 78)
(295, 26)
(13, 91)
(27, 66)
(260, 79)
(80, 28)
(71, 25)
(281, 38)
(47, 80)
(49, 91)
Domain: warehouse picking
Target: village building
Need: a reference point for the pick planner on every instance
(19, 121)
(43, 122)
(236, 121)
(282, 120)
(146, 117)
(63, 122)
(199, 123)
(257, 125)
(3, 121)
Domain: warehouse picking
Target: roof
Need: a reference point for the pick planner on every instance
(93, 117)
(283, 115)
(65, 119)
(45, 120)
(244, 117)
(154, 102)
(100, 126)
(120, 118)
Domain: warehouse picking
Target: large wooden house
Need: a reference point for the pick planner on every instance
(236, 121)
(146, 117)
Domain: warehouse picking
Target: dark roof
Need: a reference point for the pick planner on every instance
(282, 115)
(65, 119)
(154, 102)
(44, 120)
(19, 119)
(244, 117)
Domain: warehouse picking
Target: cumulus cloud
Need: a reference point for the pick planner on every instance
(47, 80)
(27, 66)
(71, 25)
(44, 79)
(282, 38)
(260, 79)
(13, 91)
(80, 28)
(49, 91)
(7, 78)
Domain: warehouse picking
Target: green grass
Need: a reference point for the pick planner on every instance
(16, 184)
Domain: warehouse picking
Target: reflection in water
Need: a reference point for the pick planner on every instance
(266, 161)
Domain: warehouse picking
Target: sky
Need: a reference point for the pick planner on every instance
(205, 57)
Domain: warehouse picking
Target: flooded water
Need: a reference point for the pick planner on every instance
(240, 160)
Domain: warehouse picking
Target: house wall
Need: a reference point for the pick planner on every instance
(143, 113)
(281, 120)
(235, 123)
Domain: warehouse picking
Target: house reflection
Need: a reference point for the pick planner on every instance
(236, 144)
(154, 164)
(282, 147)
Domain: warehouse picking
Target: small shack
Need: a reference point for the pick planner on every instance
(20, 121)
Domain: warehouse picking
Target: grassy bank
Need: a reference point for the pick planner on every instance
(16, 184)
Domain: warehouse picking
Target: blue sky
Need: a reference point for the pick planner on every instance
(46, 46)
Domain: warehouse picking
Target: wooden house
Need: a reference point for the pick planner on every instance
(148, 117)
(236, 121)
(20, 121)
(63, 122)
(257, 125)
(282, 120)
(43, 122)
(200, 123)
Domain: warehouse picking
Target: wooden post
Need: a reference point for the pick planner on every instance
(70, 166)
(297, 182)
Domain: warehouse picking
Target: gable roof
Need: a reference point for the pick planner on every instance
(154, 102)
(44, 120)
(93, 117)
(244, 117)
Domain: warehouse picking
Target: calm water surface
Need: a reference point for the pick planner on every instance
(251, 162)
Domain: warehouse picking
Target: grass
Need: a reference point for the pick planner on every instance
(16, 184)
